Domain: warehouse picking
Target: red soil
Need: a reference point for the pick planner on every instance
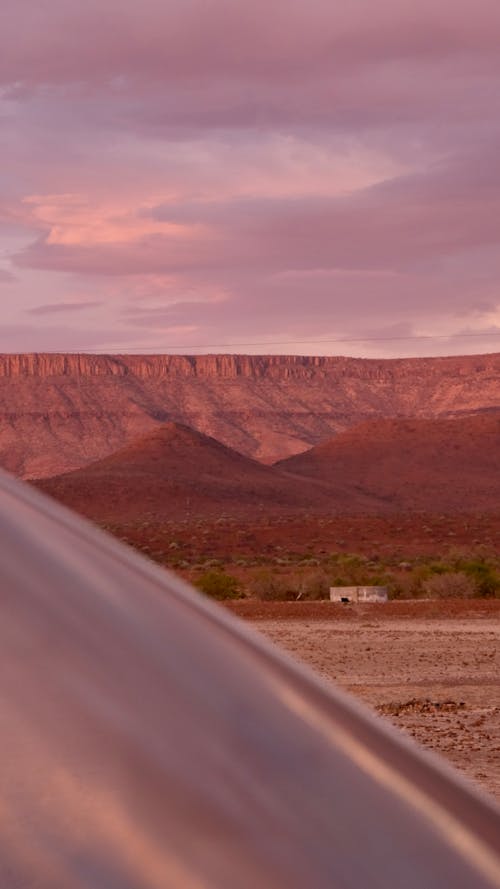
(395, 537)
(411, 610)
(412, 464)
(175, 472)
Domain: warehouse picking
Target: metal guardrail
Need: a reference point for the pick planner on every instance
(149, 740)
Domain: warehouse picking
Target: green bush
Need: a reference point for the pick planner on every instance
(483, 574)
(352, 570)
(219, 585)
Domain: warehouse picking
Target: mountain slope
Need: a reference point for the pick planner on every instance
(59, 412)
(412, 465)
(175, 472)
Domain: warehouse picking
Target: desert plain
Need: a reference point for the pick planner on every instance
(431, 668)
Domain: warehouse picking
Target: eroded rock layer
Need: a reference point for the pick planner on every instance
(59, 412)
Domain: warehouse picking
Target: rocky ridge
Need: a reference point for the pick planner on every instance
(62, 411)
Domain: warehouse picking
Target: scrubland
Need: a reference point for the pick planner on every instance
(301, 557)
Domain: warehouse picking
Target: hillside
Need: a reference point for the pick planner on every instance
(175, 472)
(439, 466)
(60, 412)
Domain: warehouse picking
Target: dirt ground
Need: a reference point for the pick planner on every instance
(400, 537)
(435, 675)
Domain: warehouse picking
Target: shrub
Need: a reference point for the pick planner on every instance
(219, 585)
(352, 570)
(483, 574)
(312, 585)
(267, 586)
(454, 584)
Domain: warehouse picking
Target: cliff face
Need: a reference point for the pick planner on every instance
(278, 367)
(59, 412)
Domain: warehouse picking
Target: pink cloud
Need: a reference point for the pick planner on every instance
(62, 308)
(220, 166)
(123, 42)
(412, 219)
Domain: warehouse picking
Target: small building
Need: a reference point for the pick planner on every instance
(349, 594)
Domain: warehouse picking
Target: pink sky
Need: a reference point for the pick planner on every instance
(278, 176)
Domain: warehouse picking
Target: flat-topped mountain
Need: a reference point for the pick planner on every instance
(60, 412)
(175, 471)
(444, 465)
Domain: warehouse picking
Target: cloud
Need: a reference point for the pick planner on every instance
(61, 308)
(153, 41)
(191, 66)
(407, 221)
(267, 168)
(33, 338)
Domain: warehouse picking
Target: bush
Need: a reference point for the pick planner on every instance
(454, 584)
(268, 586)
(352, 570)
(348, 570)
(483, 574)
(219, 585)
(312, 585)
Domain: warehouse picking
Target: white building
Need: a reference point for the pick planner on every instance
(358, 594)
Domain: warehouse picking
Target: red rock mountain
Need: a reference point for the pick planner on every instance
(59, 412)
(380, 466)
(175, 472)
(412, 465)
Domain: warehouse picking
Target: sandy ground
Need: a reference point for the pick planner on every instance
(437, 679)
